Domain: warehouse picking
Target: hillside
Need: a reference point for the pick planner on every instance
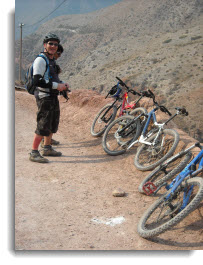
(157, 44)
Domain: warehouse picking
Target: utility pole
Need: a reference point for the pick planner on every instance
(20, 63)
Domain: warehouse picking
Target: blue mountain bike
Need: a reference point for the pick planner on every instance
(184, 195)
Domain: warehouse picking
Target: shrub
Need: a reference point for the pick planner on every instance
(183, 36)
(167, 41)
(196, 38)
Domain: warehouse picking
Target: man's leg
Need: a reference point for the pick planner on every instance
(53, 142)
(35, 155)
(36, 141)
(47, 149)
(47, 139)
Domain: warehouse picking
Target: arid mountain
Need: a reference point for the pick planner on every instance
(151, 43)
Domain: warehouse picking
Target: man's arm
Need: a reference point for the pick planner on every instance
(39, 68)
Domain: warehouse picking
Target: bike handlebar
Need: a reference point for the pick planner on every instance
(122, 83)
(198, 144)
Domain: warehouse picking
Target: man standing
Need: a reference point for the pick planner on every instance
(56, 78)
(48, 87)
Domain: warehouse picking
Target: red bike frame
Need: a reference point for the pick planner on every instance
(125, 106)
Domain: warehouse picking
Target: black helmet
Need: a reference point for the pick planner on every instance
(51, 36)
(60, 48)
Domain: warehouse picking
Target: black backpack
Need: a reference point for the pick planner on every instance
(29, 76)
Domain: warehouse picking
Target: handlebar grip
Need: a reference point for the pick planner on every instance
(164, 109)
(121, 82)
(168, 112)
(145, 94)
(150, 92)
(134, 92)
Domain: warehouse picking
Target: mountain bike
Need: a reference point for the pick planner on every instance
(157, 143)
(108, 113)
(184, 195)
(159, 176)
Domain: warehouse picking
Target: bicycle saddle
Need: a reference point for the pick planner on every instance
(182, 110)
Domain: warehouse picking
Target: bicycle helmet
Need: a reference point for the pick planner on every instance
(115, 90)
(51, 36)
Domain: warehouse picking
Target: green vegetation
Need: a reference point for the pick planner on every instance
(196, 37)
(167, 41)
(183, 36)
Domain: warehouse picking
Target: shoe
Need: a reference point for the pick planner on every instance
(36, 157)
(53, 142)
(50, 152)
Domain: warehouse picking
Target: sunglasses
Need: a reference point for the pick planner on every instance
(53, 44)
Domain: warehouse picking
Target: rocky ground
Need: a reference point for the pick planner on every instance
(68, 204)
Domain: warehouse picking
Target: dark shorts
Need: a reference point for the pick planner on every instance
(47, 116)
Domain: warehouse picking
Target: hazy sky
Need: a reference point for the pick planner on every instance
(31, 12)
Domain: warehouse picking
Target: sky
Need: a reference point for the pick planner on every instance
(31, 12)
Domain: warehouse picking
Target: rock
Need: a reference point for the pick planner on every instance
(119, 193)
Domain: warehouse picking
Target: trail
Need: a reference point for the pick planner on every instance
(68, 204)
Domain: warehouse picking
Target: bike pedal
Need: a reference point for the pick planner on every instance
(149, 188)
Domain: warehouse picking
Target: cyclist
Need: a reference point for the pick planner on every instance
(46, 78)
(58, 71)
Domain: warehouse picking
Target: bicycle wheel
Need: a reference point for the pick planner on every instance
(165, 172)
(100, 123)
(116, 137)
(150, 156)
(164, 214)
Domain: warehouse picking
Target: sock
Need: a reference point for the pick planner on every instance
(34, 151)
(47, 146)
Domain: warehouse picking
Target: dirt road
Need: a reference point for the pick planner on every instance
(68, 203)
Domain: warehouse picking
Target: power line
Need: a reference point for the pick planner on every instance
(46, 15)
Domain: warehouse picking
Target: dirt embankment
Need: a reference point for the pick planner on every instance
(68, 203)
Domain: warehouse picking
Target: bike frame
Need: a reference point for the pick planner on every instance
(188, 171)
(123, 105)
(144, 136)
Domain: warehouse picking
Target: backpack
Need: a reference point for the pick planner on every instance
(29, 76)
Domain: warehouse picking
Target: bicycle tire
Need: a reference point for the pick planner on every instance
(114, 146)
(144, 229)
(159, 175)
(149, 151)
(97, 133)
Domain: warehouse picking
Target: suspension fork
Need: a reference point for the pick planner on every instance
(109, 109)
(158, 133)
